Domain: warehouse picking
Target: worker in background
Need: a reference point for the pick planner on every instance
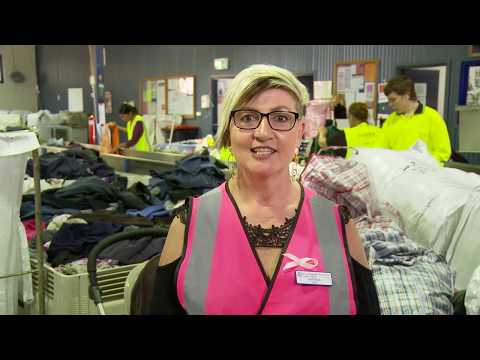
(135, 129)
(412, 121)
(338, 106)
(359, 134)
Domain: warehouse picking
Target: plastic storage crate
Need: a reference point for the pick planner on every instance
(68, 294)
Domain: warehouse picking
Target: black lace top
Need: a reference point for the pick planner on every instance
(274, 237)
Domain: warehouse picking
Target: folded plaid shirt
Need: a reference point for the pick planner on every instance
(410, 279)
(342, 181)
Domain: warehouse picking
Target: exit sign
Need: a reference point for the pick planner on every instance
(221, 64)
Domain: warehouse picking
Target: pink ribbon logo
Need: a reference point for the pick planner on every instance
(306, 262)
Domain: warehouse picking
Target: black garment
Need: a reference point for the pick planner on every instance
(142, 292)
(56, 165)
(118, 182)
(74, 241)
(47, 236)
(141, 191)
(132, 201)
(85, 193)
(133, 251)
(165, 299)
(89, 155)
(108, 217)
(458, 302)
(335, 137)
(192, 176)
(71, 164)
(340, 112)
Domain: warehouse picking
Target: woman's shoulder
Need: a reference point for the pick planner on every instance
(182, 211)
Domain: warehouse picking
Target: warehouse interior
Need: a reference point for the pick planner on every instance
(110, 149)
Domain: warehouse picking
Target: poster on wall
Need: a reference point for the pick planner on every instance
(421, 91)
(369, 91)
(75, 99)
(473, 90)
(382, 98)
(322, 89)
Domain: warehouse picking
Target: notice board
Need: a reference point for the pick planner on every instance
(357, 80)
(173, 95)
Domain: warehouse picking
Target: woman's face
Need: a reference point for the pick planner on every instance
(126, 117)
(264, 151)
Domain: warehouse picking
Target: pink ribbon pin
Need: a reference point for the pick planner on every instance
(306, 262)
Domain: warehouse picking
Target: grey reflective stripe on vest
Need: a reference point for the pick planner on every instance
(332, 253)
(203, 243)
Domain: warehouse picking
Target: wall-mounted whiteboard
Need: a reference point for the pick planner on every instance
(181, 96)
(174, 95)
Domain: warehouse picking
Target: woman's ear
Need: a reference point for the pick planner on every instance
(302, 130)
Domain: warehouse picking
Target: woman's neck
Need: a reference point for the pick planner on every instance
(271, 191)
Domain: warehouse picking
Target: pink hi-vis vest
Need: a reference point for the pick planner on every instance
(221, 274)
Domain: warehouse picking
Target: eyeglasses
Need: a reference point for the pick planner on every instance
(251, 119)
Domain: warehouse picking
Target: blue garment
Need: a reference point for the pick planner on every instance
(150, 212)
(27, 211)
(192, 176)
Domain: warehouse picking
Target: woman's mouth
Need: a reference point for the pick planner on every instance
(262, 152)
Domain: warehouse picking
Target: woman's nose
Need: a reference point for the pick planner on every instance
(263, 130)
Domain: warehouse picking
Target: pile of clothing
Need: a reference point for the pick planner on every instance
(71, 164)
(192, 176)
(79, 213)
(410, 279)
(69, 239)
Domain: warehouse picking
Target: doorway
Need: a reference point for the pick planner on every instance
(219, 85)
(430, 84)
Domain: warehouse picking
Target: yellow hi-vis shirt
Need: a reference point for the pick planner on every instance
(142, 143)
(364, 135)
(402, 132)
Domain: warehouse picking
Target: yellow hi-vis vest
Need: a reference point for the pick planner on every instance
(364, 135)
(403, 131)
(142, 143)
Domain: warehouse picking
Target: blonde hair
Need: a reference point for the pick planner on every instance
(248, 84)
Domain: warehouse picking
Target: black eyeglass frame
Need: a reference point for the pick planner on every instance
(262, 115)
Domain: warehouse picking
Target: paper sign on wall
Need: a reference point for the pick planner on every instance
(357, 82)
(369, 91)
(421, 91)
(322, 89)
(382, 98)
(205, 100)
(350, 97)
(360, 97)
(75, 99)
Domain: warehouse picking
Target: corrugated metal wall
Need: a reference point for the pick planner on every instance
(64, 66)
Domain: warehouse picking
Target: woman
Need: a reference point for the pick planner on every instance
(261, 243)
(359, 134)
(136, 131)
(338, 106)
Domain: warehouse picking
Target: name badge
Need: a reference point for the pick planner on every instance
(313, 278)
